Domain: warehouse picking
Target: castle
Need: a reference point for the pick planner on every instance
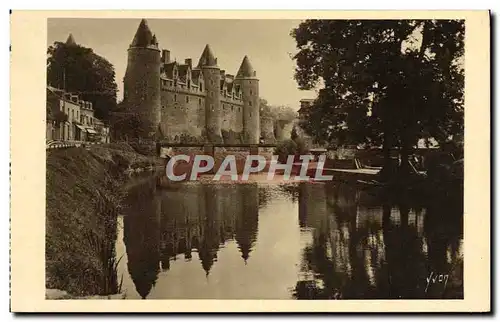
(180, 102)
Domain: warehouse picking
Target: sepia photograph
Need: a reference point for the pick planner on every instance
(307, 158)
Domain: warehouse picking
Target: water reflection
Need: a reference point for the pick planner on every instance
(304, 241)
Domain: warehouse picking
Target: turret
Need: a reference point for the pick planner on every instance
(142, 80)
(211, 75)
(247, 77)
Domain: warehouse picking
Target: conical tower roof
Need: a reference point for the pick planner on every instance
(246, 69)
(143, 36)
(71, 40)
(207, 58)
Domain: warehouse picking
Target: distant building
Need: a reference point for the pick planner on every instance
(305, 104)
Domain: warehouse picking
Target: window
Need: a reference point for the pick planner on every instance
(201, 87)
(212, 107)
(175, 97)
(199, 101)
(232, 108)
(72, 114)
(187, 99)
(251, 92)
(250, 103)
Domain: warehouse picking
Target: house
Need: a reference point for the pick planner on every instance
(70, 118)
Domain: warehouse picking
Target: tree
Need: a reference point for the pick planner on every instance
(388, 82)
(265, 109)
(79, 70)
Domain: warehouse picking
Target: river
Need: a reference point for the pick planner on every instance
(296, 241)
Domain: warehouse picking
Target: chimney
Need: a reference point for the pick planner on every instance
(165, 56)
(189, 62)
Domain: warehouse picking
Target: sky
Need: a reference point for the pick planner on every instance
(267, 43)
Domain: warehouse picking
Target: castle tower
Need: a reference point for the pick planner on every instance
(212, 77)
(247, 77)
(142, 80)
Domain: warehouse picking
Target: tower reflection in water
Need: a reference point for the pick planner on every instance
(368, 247)
(191, 223)
(352, 244)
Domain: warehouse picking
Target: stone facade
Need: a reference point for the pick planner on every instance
(181, 102)
(80, 125)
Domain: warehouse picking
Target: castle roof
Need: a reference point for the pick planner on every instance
(143, 36)
(169, 69)
(246, 69)
(71, 40)
(195, 73)
(183, 71)
(207, 58)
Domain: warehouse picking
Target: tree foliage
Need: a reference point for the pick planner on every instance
(384, 81)
(79, 70)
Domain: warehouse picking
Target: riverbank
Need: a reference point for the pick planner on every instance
(83, 198)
